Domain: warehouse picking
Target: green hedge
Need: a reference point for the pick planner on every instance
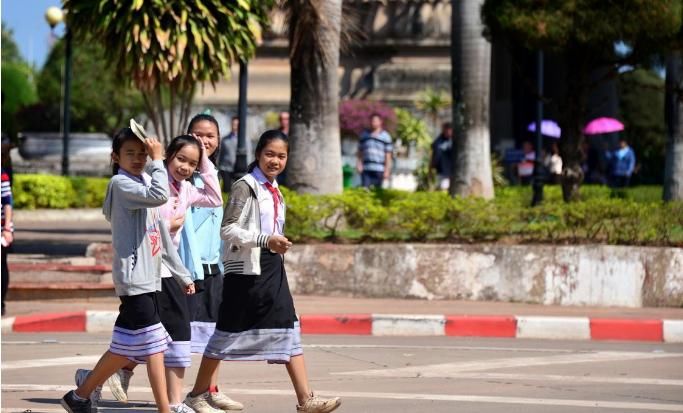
(33, 191)
(633, 217)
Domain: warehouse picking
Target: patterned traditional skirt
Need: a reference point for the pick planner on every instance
(138, 332)
(204, 306)
(175, 318)
(257, 320)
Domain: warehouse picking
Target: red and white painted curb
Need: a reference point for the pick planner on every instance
(565, 328)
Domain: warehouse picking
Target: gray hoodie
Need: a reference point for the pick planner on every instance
(140, 239)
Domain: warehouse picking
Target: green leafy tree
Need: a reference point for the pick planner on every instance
(18, 89)
(166, 49)
(10, 50)
(413, 132)
(314, 41)
(432, 103)
(99, 101)
(583, 34)
(641, 106)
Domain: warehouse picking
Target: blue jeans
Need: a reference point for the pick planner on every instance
(372, 178)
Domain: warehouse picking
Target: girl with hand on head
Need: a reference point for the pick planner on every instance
(184, 155)
(141, 245)
(257, 320)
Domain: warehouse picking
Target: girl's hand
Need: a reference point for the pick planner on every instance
(7, 236)
(177, 223)
(189, 290)
(279, 244)
(154, 149)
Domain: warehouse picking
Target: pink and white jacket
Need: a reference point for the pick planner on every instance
(184, 195)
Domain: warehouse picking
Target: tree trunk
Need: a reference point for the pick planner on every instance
(314, 164)
(471, 77)
(571, 122)
(673, 169)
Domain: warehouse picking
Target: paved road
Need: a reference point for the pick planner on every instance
(390, 375)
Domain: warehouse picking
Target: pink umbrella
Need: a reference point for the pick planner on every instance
(603, 125)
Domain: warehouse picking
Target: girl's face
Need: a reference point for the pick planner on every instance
(132, 157)
(273, 158)
(207, 133)
(183, 163)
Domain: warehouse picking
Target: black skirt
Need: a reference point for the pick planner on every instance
(175, 318)
(204, 307)
(257, 319)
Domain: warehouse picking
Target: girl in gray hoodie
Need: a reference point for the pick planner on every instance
(141, 242)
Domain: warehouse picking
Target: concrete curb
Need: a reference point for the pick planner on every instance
(563, 328)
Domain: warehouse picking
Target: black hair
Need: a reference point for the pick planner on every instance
(120, 137)
(178, 143)
(206, 117)
(263, 141)
(447, 125)
(373, 114)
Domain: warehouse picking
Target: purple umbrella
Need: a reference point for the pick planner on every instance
(548, 128)
(603, 125)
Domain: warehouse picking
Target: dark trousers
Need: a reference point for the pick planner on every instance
(5, 277)
(372, 178)
(620, 181)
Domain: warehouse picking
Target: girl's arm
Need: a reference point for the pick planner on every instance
(137, 196)
(210, 194)
(231, 231)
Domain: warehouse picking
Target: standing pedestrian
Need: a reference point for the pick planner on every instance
(228, 152)
(7, 231)
(623, 163)
(553, 164)
(525, 169)
(442, 156)
(141, 245)
(375, 150)
(257, 320)
(283, 120)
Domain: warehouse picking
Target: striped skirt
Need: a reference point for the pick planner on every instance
(175, 317)
(138, 332)
(204, 307)
(257, 320)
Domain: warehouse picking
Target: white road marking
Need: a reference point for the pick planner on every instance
(446, 370)
(570, 379)
(601, 404)
(54, 361)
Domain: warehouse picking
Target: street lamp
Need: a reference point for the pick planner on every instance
(54, 16)
(241, 160)
(537, 182)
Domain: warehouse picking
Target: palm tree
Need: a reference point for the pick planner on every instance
(315, 146)
(673, 171)
(432, 102)
(471, 73)
(167, 48)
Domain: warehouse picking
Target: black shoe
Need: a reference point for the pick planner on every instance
(73, 405)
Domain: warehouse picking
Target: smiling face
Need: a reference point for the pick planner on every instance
(207, 133)
(132, 157)
(183, 164)
(273, 158)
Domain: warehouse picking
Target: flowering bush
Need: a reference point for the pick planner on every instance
(354, 115)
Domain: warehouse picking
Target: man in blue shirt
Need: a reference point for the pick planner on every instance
(623, 163)
(375, 150)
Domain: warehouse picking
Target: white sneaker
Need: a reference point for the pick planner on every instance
(223, 402)
(118, 384)
(316, 404)
(96, 395)
(200, 403)
(181, 408)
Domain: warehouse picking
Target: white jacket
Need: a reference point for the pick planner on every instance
(241, 228)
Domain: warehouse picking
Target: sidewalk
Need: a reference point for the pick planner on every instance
(381, 317)
(49, 243)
